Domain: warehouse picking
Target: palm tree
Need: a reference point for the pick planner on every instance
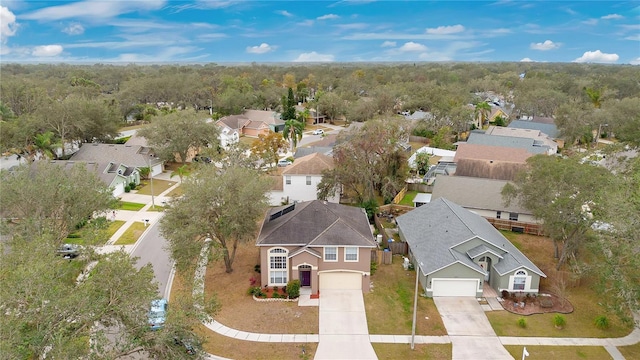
(595, 96)
(293, 132)
(483, 110)
(45, 145)
(182, 171)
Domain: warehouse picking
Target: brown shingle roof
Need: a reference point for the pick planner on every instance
(312, 164)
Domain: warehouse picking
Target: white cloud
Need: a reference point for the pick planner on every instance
(328, 17)
(612, 17)
(47, 50)
(314, 57)
(526, 60)
(307, 23)
(95, 9)
(633, 37)
(388, 44)
(635, 61)
(74, 29)
(284, 13)
(544, 46)
(260, 49)
(597, 57)
(8, 24)
(590, 22)
(446, 30)
(412, 46)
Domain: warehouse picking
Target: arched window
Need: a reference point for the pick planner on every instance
(278, 269)
(519, 280)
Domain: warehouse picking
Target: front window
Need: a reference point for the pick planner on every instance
(287, 179)
(351, 254)
(498, 214)
(308, 180)
(278, 266)
(513, 216)
(330, 254)
(519, 280)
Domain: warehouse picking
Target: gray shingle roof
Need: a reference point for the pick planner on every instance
(549, 129)
(506, 141)
(474, 193)
(316, 223)
(434, 230)
(129, 155)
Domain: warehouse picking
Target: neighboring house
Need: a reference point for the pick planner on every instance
(508, 142)
(484, 197)
(431, 151)
(457, 251)
(304, 151)
(539, 138)
(542, 124)
(324, 245)
(118, 165)
(271, 119)
(489, 162)
(252, 123)
(228, 135)
(421, 199)
(115, 175)
(300, 180)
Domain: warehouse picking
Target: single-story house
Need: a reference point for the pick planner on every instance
(252, 123)
(115, 176)
(489, 162)
(300, 180)
(539, 138)
(324, 245)
(121, 160)
(457, 251)
(483, 197)
(477, 137)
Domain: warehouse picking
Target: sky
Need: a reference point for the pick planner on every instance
(230, 31)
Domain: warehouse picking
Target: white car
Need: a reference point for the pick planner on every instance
(318, 132)
(284, 162)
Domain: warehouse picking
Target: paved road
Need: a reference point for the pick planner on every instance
(150, 248)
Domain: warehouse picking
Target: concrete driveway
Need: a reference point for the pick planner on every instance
(343, 326)
(471, 334)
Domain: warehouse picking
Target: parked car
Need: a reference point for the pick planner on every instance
(318, 132)
(158, 313)
(284, 162)
(69, 251)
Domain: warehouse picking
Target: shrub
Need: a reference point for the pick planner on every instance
(522, 322)
(256, 268)
(253, 281)
(293, 288)
(127, 189)
(559, 321)
(275, 295)
(505, 294)
(132, 185)
(254, 290)
(374, 267)
(601, 322)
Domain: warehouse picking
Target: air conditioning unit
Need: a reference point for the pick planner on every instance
(120, 172)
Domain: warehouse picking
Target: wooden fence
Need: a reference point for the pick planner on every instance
(419, 139)
(516, 226)
(400, 195)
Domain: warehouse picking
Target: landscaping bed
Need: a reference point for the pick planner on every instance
(541, 304)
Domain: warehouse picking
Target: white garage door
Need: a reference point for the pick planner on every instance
(340, 281)
(454, 287)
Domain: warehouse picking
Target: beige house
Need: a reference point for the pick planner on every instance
(324, 245)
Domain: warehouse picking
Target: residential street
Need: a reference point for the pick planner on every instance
(150, 248)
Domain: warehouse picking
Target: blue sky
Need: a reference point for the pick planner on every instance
(130, 31)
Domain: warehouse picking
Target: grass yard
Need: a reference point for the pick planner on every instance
(175, 192)
(403, 351)
(241, 312)
(559, 352)
(131, 206)
(159, 186)
(584, 299)
(91, 236)
(630, 352)
(132, 234)
(407, 200)
(389, 305)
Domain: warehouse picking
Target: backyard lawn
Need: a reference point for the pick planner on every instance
(389, 305)
(579, 323)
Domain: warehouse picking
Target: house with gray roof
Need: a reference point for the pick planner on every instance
(324, 245)
(457, 251)
(484, 197)
(508, 142)
(113, 162)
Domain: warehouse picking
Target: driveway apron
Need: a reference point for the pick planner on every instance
(471, 334)
(343, 326)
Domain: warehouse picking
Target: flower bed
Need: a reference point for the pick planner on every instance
(540, 304)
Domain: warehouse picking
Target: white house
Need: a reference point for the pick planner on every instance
(300, 180)
(228, 136)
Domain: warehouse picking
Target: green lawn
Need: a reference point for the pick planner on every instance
(175, 192)
(131, 206)
(89, 235)
(132, 234)
(559, 352)
(630, 352)
(389, 305)
(403, 351)
(159, 186)
(408, 198)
